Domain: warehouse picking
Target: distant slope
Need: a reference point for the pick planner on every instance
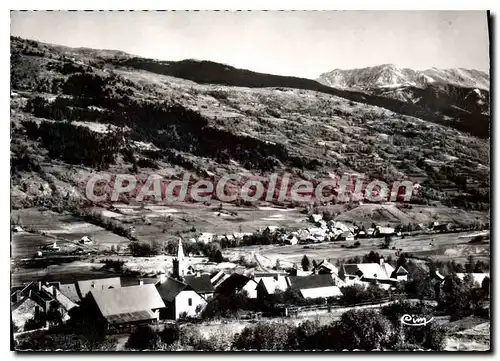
(388, 75)
(207, 72)
(445, 110)
(460, 96)
(78, 111)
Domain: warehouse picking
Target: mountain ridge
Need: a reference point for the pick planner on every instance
(385, 75)
(75, 112)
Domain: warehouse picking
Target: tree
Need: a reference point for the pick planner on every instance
(387, 242)
(401, 262)
(460, 298)
(470, 265)
(54, 316)
(218, 257)
(485, 285)
(341, 272)
(14, 327)
(142, 249)
(192, 336)
(271, 336)
(357, 294)
(305, 336)
(364, 329)
(372, 257)
(170, 334)
(420, 284)
(142, 338)
(305, 263)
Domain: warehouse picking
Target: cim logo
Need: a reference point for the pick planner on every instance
(412, 320)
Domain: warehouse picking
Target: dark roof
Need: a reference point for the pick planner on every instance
(200, 284)
(218, 277)
(234, 282)
(351, 269)
(170, 288)
(400, 271)
(70, 291)
(312, 281)
(326, 265)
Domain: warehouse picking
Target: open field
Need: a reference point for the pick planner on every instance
(394, 214)
(65, 229)
(156, 221)
(151, 222)
(164, 223)
(447, 246)
(469, 334)
(94, 267)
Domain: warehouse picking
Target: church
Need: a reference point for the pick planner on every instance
(185, 294)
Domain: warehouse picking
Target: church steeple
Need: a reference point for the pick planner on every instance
(180, 251)
(179, 262)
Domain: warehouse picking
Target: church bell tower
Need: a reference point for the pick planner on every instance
(179, 262)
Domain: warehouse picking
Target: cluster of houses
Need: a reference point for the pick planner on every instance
(322, 231)
(186, 293)
(117, 302)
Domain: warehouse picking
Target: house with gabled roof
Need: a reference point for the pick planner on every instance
(383, 231)
(325, 267)
(205, 237)
(269, 285)
(185, 296)
(218, 278)
(315, 286)
(35, 300)
(77, 291)
(126, 305)
(236, 283)
(381, 273)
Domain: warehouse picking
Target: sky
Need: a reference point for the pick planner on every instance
(296, 43)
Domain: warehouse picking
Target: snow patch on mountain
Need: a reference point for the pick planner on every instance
(388, 75)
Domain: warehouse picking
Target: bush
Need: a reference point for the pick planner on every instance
(170, 334)
(305, 263)
(477, 239)
(227, 306)
(143, 338)
(461, 298)
(191, 336)
(271, 336)
(219, 340)
(49, 341)
(143, 249)
(305, 336)
(430, 336)
(420, 284)
(396, 310)
(355, 294)
(364, 329)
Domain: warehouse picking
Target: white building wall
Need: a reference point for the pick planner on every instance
(182, 303)
(251, 289)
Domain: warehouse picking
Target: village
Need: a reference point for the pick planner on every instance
(187, 294)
